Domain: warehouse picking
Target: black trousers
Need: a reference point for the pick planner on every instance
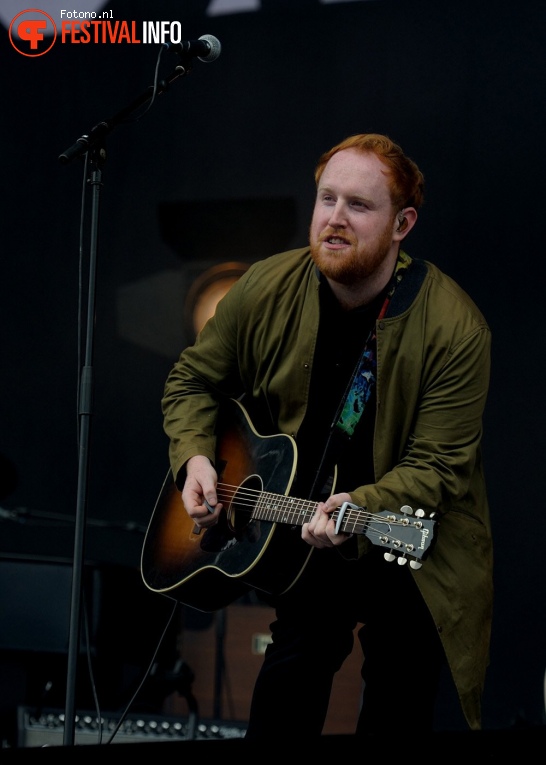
(313, 635)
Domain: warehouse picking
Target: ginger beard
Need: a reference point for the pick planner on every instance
(353, 263)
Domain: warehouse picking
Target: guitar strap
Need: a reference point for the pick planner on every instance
(360, 387)
(363, 379)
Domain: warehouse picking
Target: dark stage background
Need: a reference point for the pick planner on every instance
(220, 170)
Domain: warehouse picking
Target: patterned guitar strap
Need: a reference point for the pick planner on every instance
(360, 386)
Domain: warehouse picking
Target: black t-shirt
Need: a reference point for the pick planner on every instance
(341, 339)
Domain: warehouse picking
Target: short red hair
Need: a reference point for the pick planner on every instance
(406, 181)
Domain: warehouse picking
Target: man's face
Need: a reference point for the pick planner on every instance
(351, 231)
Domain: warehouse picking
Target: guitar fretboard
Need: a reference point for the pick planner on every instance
(280, 509)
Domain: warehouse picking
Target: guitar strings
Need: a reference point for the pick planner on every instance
(300, 511)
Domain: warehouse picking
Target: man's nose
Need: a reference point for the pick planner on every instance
(337, 215)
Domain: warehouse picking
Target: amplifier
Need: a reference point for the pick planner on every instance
(47, 728)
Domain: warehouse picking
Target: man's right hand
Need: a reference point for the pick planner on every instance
(199, 492)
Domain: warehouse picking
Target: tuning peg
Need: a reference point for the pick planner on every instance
(406, 509)
(416, 564)
(389, 557)
(420, 513)
(402, 560)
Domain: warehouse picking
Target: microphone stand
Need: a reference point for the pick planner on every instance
(93, 144)
(102, 129)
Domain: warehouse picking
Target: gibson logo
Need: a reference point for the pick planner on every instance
(424, 535)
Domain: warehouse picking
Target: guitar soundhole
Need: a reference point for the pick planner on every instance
(241, 508)
(235, 523)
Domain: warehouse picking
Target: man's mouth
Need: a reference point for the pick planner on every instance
(336, 240)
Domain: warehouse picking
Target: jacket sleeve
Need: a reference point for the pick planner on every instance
(203, 374)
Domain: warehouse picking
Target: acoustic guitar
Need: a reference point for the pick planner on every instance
(257, 542)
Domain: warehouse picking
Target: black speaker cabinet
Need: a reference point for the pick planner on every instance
(123, 623)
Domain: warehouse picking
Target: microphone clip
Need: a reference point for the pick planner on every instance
(207, 48)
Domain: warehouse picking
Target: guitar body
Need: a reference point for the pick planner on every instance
(210, 568)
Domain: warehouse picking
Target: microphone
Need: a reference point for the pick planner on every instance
(206, 48)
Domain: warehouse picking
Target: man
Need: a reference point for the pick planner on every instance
(377, 366)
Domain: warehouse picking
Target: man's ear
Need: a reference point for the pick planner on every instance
(405, 221)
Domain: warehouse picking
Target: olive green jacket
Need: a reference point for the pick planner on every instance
(433, 366)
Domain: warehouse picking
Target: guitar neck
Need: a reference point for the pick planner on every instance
(397, 532)
(295, 512)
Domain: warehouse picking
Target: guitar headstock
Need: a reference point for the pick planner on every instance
(407, 536)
